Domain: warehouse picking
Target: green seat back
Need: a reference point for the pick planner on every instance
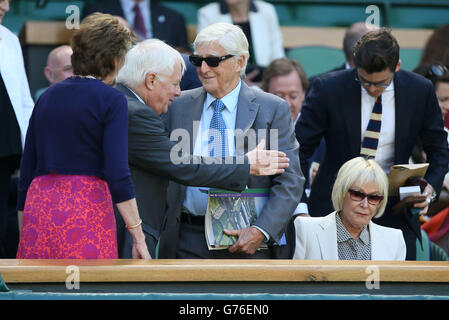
(317, 59)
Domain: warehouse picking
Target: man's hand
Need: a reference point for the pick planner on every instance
(266, 162)
(249, 240)
(428, 192)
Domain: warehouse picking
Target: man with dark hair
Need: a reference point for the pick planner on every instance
(374, 110)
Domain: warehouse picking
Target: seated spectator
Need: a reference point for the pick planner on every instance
(360, 193)
(148, 19)
(286, 78)
(438, 73)
(437, 49)
(259, 22)
(58, 68)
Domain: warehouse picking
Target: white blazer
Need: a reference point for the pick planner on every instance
(14, 76)
(265, 31)
(316, 239)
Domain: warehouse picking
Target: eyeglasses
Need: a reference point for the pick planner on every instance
(368, 84)
(360, 196)
(197, 61)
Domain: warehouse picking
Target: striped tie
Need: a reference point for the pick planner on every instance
(217, 131)
(371, 139)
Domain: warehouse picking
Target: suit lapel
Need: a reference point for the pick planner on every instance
(352, 110)
(192, 114)
(403, 115)
(246, 114)
(327, 237)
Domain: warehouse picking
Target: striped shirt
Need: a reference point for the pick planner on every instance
(350, 248)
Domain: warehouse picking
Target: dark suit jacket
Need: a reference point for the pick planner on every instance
(190, 78)
(167, 24)
(255, 110)
(333, 109)
(149, 150)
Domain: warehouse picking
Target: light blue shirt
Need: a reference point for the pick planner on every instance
(196, 201)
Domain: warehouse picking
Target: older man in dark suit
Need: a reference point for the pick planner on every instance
(148, 19)
(227, 104)
(150, 80)
(342, 106)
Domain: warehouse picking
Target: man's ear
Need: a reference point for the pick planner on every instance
(241, 62)
(48, 74)
(150, 79)
(398, 66)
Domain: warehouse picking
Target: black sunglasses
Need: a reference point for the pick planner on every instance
(197, 61)
(360, 196)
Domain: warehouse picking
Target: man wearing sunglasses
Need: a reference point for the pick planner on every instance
(339, 107)
(225, 102)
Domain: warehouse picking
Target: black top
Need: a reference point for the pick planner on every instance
(246, 28)
(10, 142)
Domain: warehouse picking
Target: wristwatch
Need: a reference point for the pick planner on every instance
(433, 198)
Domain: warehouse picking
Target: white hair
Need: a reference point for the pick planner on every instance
(229, 36)
(151, 55)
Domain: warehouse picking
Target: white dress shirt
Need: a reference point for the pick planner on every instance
(12, 69)
(385, 148)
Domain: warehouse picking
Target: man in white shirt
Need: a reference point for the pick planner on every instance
(338, 107)
(16, 106)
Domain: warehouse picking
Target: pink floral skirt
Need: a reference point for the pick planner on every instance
(68, 217)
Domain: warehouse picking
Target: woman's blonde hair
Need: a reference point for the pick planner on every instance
(364, 171)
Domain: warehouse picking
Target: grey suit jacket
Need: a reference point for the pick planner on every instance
(255, 110)
(149, 149)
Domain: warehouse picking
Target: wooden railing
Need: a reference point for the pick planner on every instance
(51, 271)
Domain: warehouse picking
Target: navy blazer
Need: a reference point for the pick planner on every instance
(333, 109)
(167, 24)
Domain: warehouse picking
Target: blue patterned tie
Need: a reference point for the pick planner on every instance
(217, 134)
(371, 139)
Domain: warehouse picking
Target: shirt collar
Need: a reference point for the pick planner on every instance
(230, 100)
(343, 234)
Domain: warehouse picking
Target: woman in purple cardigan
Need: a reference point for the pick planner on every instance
(75, 161)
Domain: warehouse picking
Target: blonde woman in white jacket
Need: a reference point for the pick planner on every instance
(360, 193)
